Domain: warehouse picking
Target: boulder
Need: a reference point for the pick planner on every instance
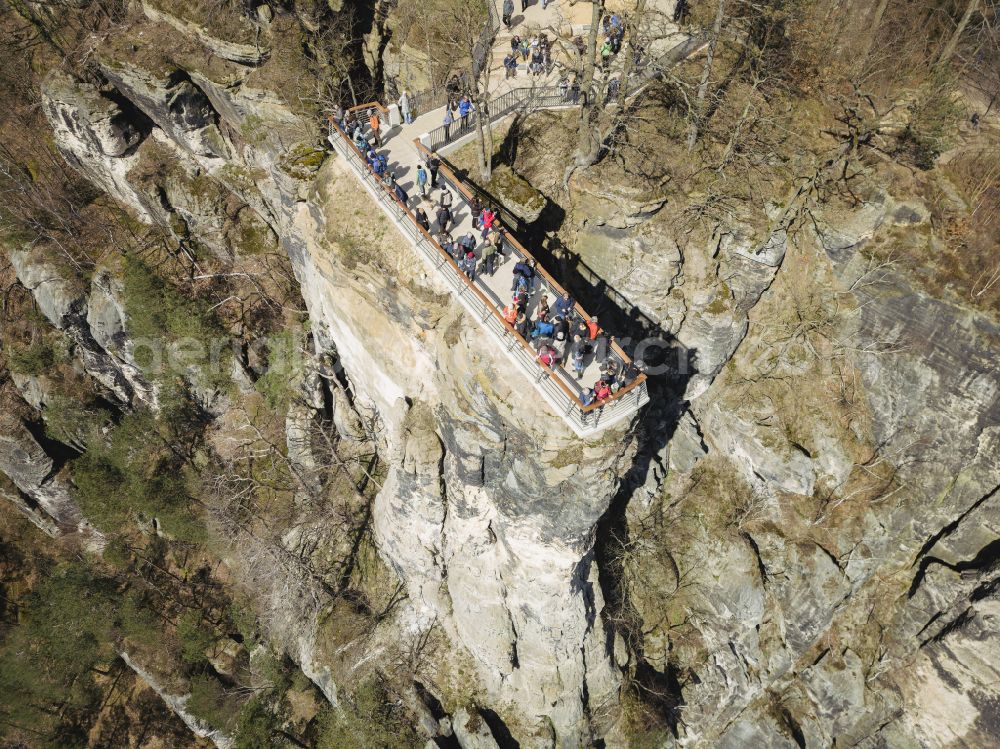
(472, 732)
(95, 136)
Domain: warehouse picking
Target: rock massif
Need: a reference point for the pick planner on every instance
(490, 503)
(835, 580)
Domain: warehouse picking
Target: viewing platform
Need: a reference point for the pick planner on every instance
(485, 297)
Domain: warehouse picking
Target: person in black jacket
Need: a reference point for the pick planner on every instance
(421, 218)
(433, 164)
(526, 270)
(561, 328)
(631, 373)
(522, 326)
(443, 218)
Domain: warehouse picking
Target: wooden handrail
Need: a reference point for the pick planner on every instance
(559, 290)
(626, 359)
(369, 105)
(471, 285)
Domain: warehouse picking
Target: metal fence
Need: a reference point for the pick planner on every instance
(555, 384)
(524, 99)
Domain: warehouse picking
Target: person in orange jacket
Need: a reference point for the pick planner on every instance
(374, 122)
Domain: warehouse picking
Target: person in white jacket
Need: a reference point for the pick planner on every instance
(404, 107)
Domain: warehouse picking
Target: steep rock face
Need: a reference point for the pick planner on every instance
(846, 621)
(228, 49)
(106, 354)
(96, 136)
(490, 502)
(478, 467)
(35, 474)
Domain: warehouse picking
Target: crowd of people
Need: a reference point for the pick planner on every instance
(559, 334)
(535, 52)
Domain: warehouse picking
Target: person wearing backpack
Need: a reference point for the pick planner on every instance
(421, 218)
(443, 217)
(522, 325)
(486, 219)
(577, 352)
(542, 329)
(446, 198)
(401, 195)
(489, 258)
(519, 273)
(521, 301)
(560, 328)
(495, 240)
(468, 265)
(464, 109)
(359, 138)
(476, 209)
(548, 356)
(468, 243)
(422, 180)
(523, 273)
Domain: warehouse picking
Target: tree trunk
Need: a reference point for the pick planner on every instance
(706, 73)
(952, 45)
(484, 117)
(870, 37)
(483, 159)
(585, 131)
(354, 96)
(640, 8)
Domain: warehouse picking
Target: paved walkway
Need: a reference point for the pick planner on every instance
(403, 160)
(561, 21)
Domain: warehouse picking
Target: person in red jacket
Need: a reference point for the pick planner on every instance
(548, 356)
(593, 328)
(487, 219)
(602, 390)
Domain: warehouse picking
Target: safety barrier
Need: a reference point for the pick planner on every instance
(555, 385)
(523, 99)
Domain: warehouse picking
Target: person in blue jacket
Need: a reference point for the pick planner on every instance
(464, 109)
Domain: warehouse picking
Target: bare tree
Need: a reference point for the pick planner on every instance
(588, 142)
(460, 38)
(706, 73)
(952, 45)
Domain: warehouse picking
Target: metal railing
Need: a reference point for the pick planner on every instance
(554, 383)
(524, 99)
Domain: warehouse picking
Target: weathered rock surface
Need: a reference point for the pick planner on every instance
(178, 703)
(50, 504)
(70, 308)
(797, 618)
